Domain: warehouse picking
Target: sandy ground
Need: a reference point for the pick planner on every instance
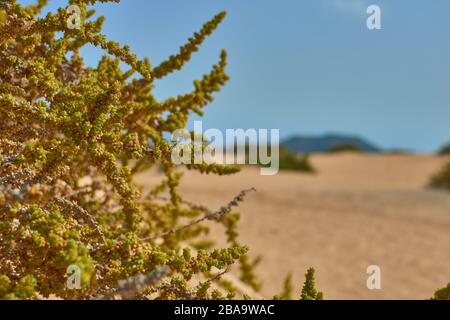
(359, 210)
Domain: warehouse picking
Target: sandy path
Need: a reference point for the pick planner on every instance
(357, 211)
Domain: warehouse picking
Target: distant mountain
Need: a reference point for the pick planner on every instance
(307, 144)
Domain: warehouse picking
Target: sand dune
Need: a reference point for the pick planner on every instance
(359, 210)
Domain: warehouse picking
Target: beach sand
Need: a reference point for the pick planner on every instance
(358, 210)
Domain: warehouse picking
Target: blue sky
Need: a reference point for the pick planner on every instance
(306, 66)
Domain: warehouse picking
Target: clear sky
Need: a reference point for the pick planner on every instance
(307, 66)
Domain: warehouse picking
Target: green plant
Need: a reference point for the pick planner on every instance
(72, 138)
(441, 180)
(289, 161)
(287, 289)
(442, 294)
(295, 162)
(309, 291)
(445, 150)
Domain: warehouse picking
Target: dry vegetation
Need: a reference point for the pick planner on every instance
(73, 140)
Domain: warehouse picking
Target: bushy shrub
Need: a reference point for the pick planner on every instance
(441, 180)
(445, 150)
(71, 140)
(294, 161)
(73, 223)
(442, 294)
(340, 148)
(288, 160)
